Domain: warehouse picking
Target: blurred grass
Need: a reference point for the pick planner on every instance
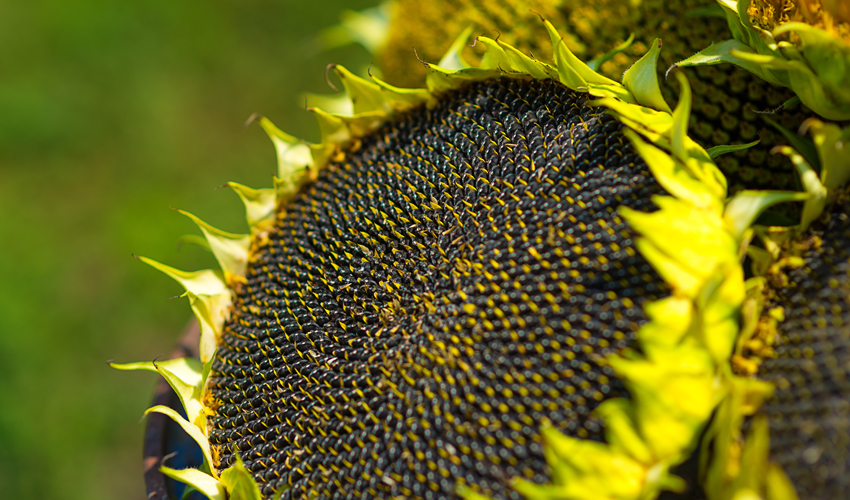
(110, 112)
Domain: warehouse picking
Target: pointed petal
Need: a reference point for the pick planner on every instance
(186, 369)
(230, 250)
(211, 311)
(365, 96)
(642, 79)
(364, 123)
(522, 63)
(655, 125)
(679, 219)
(332, 127)
(338, 104)
(192, 430)
(259, 205)
(321, 155)
(400, 99)
(670, 320)
(585, 469)
(681, 117)
(674, 395)
(680, 278)
(617, 91)
(209, 297)
(206, 282)
(494, 55)
(722, 442)
(453, 58)
(207, 485)
(573, 72)
(667, 241)
(293, 158)
(778, 485)
(620, 431)
(239, 483)
(184, 375)
(673, 175)
(439, 79)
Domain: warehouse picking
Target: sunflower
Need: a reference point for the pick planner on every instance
(729, 103)
(524, 281)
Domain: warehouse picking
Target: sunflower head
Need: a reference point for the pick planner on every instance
(800, 45)
(523, 280)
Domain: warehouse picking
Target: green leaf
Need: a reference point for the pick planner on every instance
(724, 52)
(595, 63)
(746, 206)
(714, 152)
(813, 207)
(833, 149)
(804, 146)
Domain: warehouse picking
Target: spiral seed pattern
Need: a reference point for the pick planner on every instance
(420, 310)
(728, 102)
(810, 411)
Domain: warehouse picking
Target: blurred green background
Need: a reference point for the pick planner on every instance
(111, 111)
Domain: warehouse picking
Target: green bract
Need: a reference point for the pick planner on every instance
(809, 60)
(734, 464)
(696, 241)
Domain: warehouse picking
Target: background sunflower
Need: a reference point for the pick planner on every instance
(110, 112)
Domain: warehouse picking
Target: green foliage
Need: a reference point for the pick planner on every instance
(110, 112)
